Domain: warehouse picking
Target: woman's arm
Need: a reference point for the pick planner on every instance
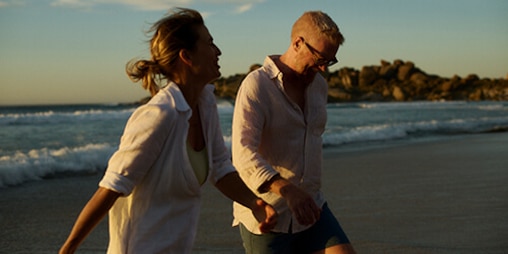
(234, 188)
(93, 212)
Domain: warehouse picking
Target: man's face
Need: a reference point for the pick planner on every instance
(317, 54)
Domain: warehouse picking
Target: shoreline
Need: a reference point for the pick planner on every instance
(429, 196)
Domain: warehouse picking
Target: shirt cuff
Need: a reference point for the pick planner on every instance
(118, 183)
(261, 178)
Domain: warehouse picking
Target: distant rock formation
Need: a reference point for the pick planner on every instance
(397, 81)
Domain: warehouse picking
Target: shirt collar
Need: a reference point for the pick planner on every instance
(177, 95)
(271, 68)
(273, 71)
(179, 100)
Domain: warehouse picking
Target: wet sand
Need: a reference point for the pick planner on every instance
(436, 196)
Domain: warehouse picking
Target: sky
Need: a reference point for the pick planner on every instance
(75, 51)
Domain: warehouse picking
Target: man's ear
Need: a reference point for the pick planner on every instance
(297, 43)
(185, 57)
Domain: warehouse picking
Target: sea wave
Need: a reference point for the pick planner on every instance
(429, 105)
(52, 117)
(38, 164)
(383, 132)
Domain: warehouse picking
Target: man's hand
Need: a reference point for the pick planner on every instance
(265, 215)
(301, 204)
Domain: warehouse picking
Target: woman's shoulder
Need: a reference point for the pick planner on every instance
(160, 108)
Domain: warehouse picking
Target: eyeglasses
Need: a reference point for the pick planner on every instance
(319, 60)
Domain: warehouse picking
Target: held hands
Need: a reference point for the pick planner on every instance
(265, 214)
(301, 204)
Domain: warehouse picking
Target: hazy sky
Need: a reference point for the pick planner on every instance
(74, 51)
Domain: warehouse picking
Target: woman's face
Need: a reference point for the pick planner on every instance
(205, 57)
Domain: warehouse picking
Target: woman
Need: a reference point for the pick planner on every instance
(169, 148)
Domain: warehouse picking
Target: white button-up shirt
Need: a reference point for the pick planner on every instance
(160, 208)
(271, 135)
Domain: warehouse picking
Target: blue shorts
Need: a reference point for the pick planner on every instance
(326, 232)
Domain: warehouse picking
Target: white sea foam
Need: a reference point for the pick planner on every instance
(37, 164)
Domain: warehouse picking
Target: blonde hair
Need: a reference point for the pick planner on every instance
(172, 33)
(320, 22)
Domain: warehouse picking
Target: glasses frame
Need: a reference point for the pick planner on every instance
(319, 60)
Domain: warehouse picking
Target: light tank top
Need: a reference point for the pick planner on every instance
(199, 163)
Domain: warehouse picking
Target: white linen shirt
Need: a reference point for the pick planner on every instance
(160, 207)
(271, 135)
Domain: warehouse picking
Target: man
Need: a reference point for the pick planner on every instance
(279, 117)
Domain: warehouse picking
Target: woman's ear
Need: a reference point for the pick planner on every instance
(185, 57)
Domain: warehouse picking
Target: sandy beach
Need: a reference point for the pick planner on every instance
(440, 196)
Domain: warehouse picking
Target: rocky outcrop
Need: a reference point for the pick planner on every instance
(226, 88)
(403, 81)
(397, 81)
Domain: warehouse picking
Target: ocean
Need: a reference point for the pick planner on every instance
(41, 142)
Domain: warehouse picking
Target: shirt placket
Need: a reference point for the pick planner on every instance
(306, 137)
(303, 116)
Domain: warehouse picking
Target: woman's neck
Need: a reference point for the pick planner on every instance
(191, 90)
